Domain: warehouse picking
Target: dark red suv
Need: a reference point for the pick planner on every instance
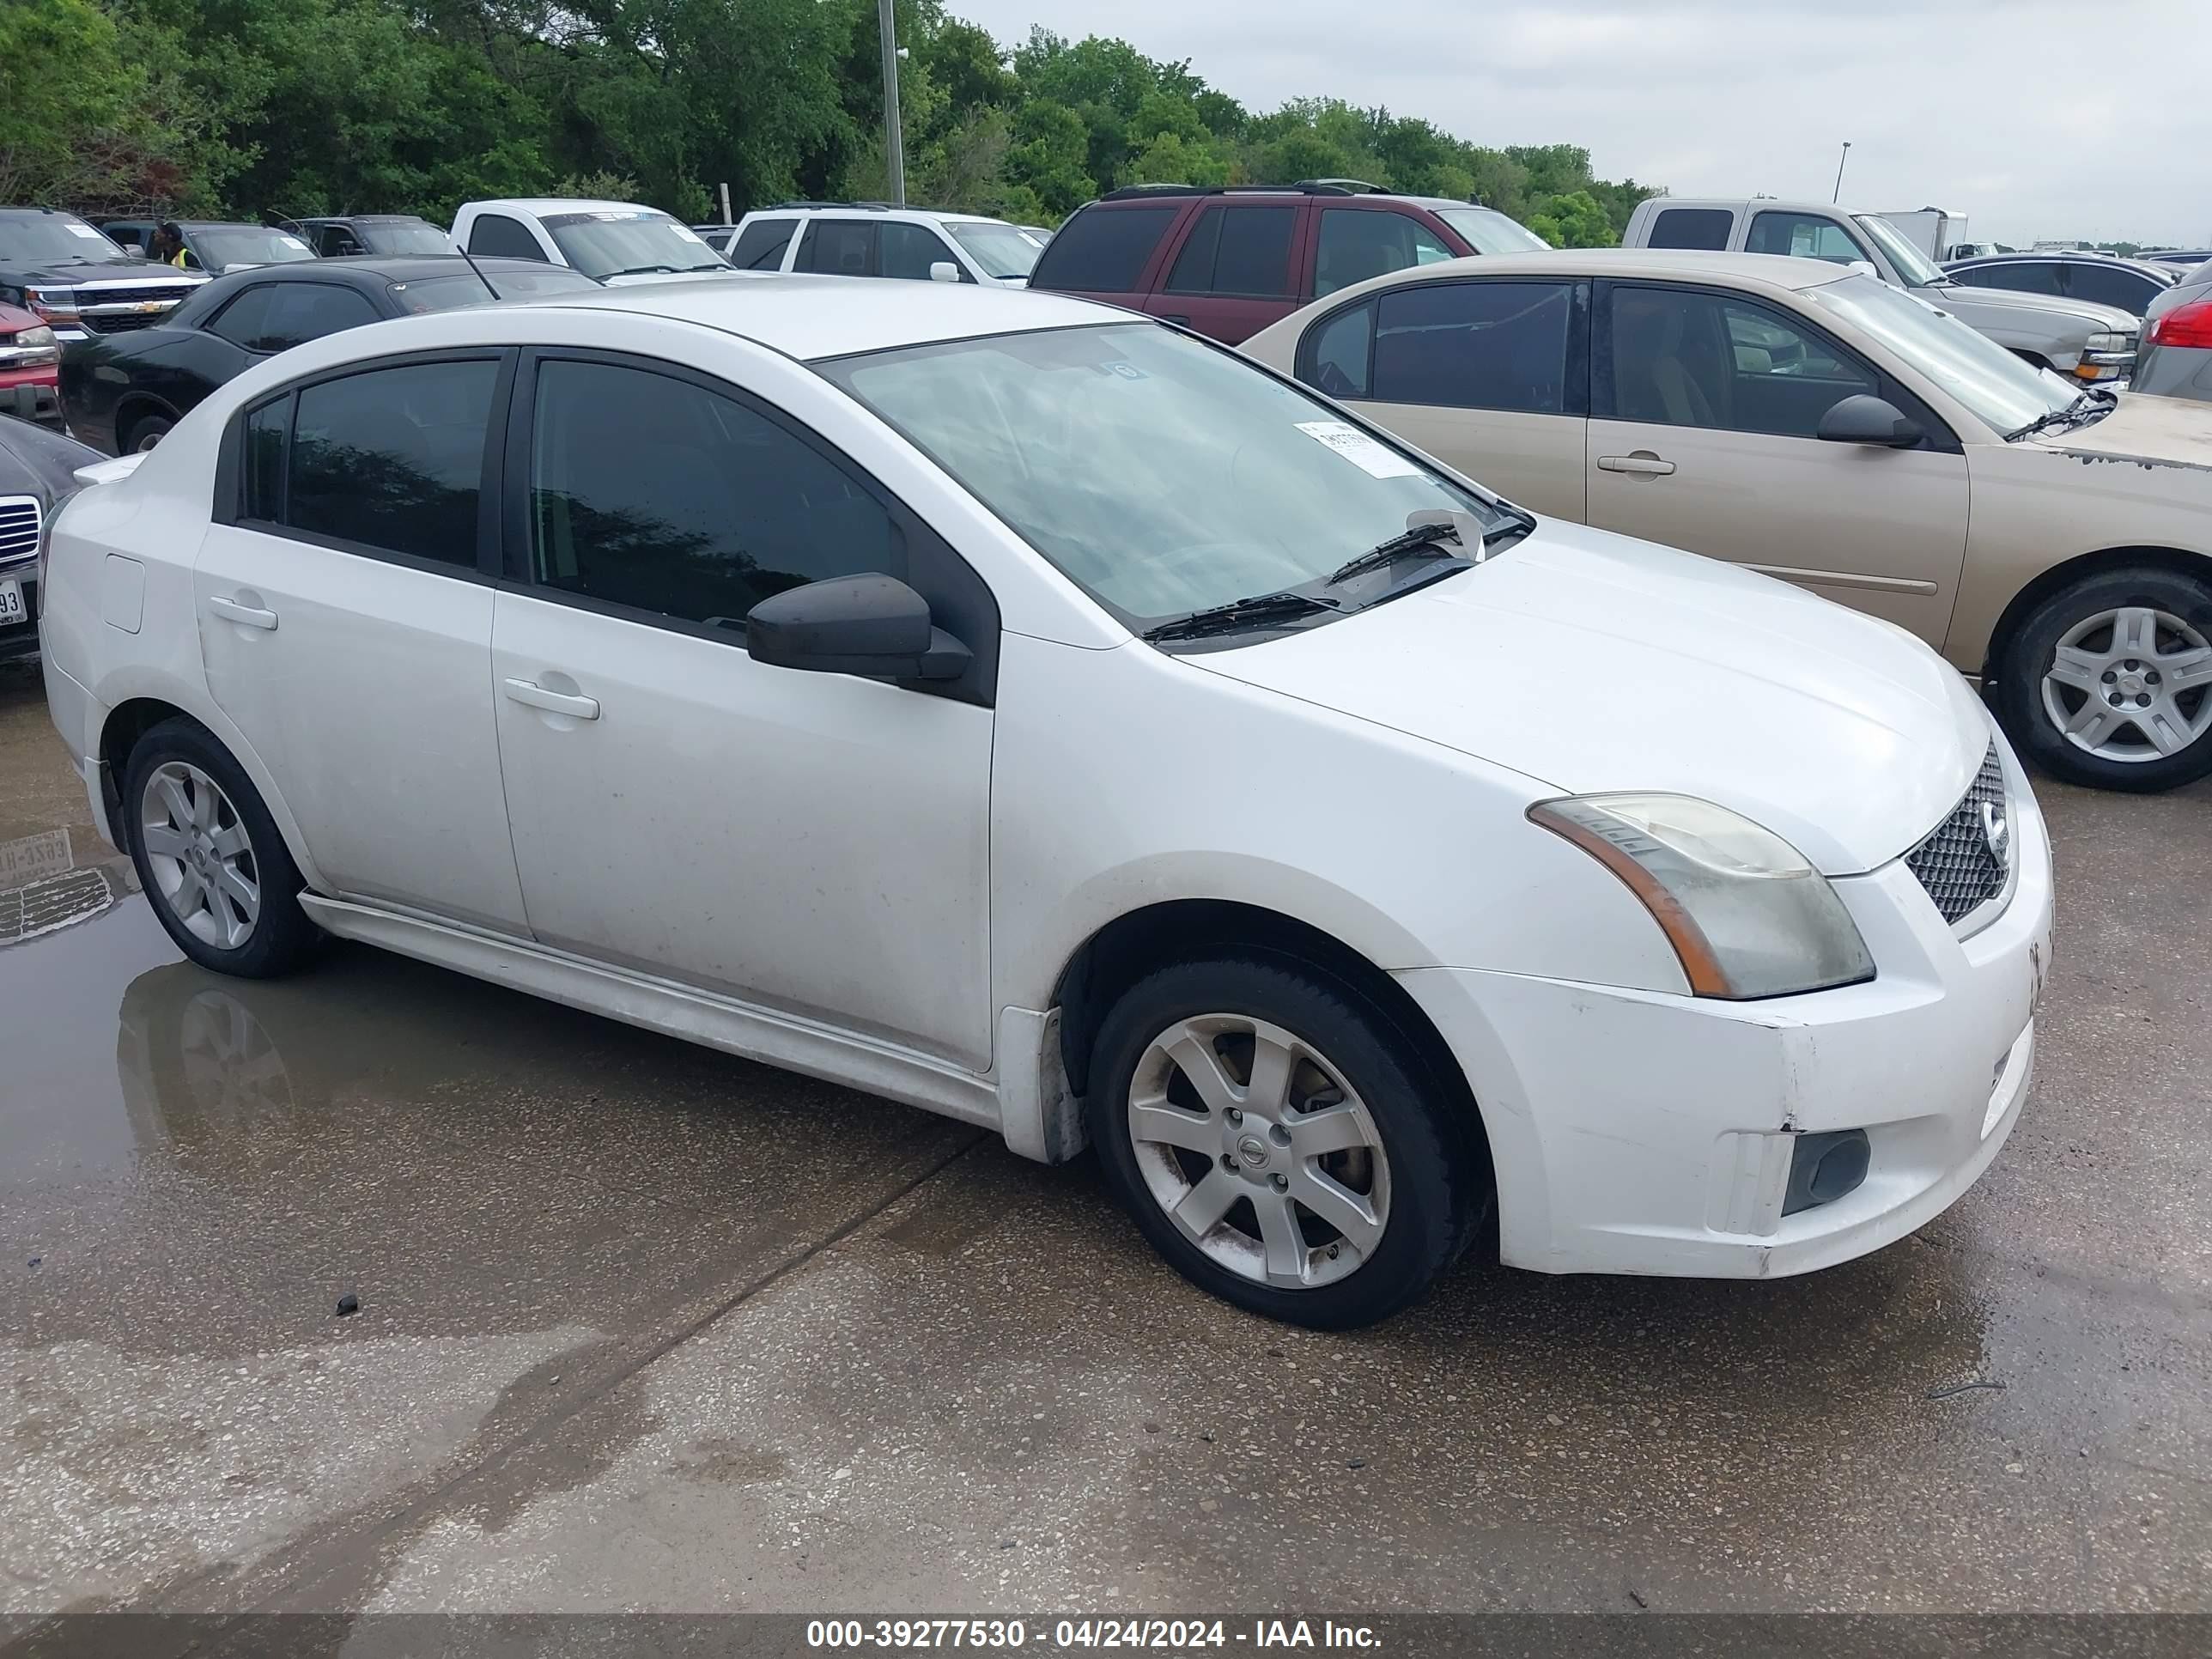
(1228, 262)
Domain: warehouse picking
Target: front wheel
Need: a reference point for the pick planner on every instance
(1281, 1143)
(2109, 681)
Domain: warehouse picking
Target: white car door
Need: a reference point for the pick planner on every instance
(1488, 375)
(1702, 435)
(345, 626)
(812, 843)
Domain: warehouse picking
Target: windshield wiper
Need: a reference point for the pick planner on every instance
(1423, 538)
(1259, 608)
(643, 270)
(2097, 400)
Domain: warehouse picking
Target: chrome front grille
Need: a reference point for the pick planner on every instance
(19, 528)
(1963, 863)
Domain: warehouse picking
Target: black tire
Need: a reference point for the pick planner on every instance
(282, 937)
(2020, 698)
(143, 432)
(1439, 1175)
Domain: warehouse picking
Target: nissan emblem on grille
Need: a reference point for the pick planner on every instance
(1964, 861)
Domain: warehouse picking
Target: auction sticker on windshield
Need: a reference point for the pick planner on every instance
(1376, 460)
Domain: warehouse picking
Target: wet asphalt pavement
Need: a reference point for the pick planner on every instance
(644, 1327)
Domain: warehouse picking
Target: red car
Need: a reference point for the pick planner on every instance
(30, 367)
(1228, 262)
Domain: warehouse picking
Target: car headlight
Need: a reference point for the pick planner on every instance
(2104, 340)
(1746, 914)
(31, 338)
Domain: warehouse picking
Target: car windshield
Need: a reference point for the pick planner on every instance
(451, 292)
(225, 245)
(1999, 388)
(627, 241)
(1161, 475)
(1488, 231)
(1001, 250)
(1917, 269)
(405, 236)
(54, 239)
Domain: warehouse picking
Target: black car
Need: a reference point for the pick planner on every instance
(373, 235)
(212, 246)
(122, 394)
(2131, 284)
(37, 474)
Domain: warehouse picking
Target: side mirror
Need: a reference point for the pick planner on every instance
(943, 270)
(875, 626)
(1864, 419)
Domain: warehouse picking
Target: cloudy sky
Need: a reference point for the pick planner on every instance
(2036, 118)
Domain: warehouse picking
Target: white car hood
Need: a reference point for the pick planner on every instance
(1591, 662)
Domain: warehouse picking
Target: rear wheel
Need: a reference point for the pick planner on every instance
(142, 433)
(210, 856)
(1280, 1142)
(2109, 681)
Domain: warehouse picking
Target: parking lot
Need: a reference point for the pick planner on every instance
(643, 1326)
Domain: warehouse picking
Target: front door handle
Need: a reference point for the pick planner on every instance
(553, 702)
(248, 616)
(1641, 465)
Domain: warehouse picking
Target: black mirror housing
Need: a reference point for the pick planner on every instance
(874, 626)
(1863, 418)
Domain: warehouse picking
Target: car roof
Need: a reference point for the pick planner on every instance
(543, 204)
(816, 317)
(2072, 256)
(872, 209)
(1677, 264)
(362, 219)
(399, 268)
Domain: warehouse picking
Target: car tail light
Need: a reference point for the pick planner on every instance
(2183, 325)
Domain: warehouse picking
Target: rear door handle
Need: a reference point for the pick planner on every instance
(1642, 465)
(248, 616)
(553, 702)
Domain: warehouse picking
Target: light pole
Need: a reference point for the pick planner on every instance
(894, 150)
(1837, 197)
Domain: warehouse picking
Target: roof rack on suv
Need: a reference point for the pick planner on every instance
(1304, 187)
(1350, 187)
(877, 207)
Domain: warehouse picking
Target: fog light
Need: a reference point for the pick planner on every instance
(1825, 1167)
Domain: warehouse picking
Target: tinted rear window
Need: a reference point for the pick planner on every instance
(1103, 250)
(1698, 227)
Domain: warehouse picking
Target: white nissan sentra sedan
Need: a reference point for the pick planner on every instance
(1040, 716)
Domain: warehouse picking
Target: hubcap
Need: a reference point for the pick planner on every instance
(1259, 1150)
(2130, 684)
(199, 855)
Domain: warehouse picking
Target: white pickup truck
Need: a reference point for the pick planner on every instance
(2089, 342)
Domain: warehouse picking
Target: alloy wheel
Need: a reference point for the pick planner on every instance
(1259, 1150)
(199, 854)
(2130, 684)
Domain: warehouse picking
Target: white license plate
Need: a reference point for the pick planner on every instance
(11, 604)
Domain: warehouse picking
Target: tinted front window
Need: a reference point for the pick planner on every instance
(337, 242)
(1682, 358)
(1103, 250)
(451, 292)
(276, 316)
(761, 244)
(606, 242)
(652, 492)
(393, 459)
(909, 251)
(496, 233)
(1803, 236)
(1357, 244)
(1474, 345)
(1159, 473)
(2027, 276)
(1704, 229)
(838, 248)
(2112, 285)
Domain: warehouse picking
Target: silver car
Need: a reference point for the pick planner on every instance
(2176, 357)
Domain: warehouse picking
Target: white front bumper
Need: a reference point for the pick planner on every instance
(1639, 1132)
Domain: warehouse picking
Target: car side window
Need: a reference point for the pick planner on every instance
(240, 322)
(909, 251)
(299, 312)
(1103, 250)
(1680, 357)
(496, 233)
(1244, 251)
(390, 458)
(1498, 345)
(2025, 276)
(1357, 243)
(1705, 228)
(337, 242)
(2112, 285)
(760, 246)
(1803, 236)
(839, 248)
(1336, 355)
(651, 492)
